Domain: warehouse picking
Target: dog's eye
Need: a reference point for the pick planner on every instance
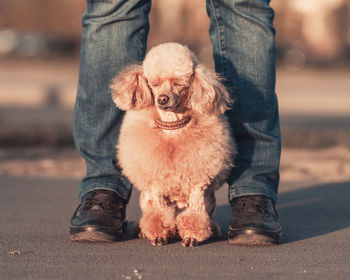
(177, 84)
(154, 84)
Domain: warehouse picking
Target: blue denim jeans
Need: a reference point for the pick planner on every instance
(115, 34)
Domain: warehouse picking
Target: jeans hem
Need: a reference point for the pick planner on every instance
(124, 194)
(242, 191)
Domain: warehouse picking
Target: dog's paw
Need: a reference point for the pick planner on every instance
(193, 228)
(159, 241)
(189, 242)
(157, 227)
(142, 236)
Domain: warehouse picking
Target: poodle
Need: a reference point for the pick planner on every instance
(175, 144)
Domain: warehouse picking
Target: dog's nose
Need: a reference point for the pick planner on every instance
(163, 99)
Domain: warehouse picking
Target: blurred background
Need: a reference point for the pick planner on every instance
(313, 32)
(39, 56)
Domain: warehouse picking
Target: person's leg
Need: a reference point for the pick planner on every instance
(243, 41)
(114, 35)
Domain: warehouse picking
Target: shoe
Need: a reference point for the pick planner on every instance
(99, 218)
(254, 221)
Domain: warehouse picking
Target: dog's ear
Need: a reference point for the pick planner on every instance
(208, 94)
(130, 90)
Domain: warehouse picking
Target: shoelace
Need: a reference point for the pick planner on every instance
(251, 204)
(103, 201)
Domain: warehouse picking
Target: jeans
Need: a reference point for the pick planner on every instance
(115, 34)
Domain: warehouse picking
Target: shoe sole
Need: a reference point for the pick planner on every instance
(254, 237)
(96, 234)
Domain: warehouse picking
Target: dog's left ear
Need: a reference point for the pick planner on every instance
(130, 90)
(208, 94)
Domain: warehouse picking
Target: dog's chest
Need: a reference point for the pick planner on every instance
(167, 157)
(149, 157)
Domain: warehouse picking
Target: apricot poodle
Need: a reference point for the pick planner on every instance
(174, 143)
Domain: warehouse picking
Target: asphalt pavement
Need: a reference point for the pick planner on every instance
(34, 239)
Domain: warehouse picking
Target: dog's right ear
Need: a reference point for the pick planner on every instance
(130, 90)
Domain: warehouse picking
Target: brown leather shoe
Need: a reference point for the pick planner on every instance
(99, 218)
(254, 221)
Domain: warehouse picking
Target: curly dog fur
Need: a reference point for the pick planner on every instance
(174, 144)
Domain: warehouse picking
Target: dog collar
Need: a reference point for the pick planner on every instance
(172, 125)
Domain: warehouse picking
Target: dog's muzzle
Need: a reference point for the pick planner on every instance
(163, 100)
(166, 102)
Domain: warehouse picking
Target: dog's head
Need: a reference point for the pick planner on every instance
(171, 79)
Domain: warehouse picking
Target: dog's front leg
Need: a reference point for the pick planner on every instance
(194, 223)
(157, 222)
